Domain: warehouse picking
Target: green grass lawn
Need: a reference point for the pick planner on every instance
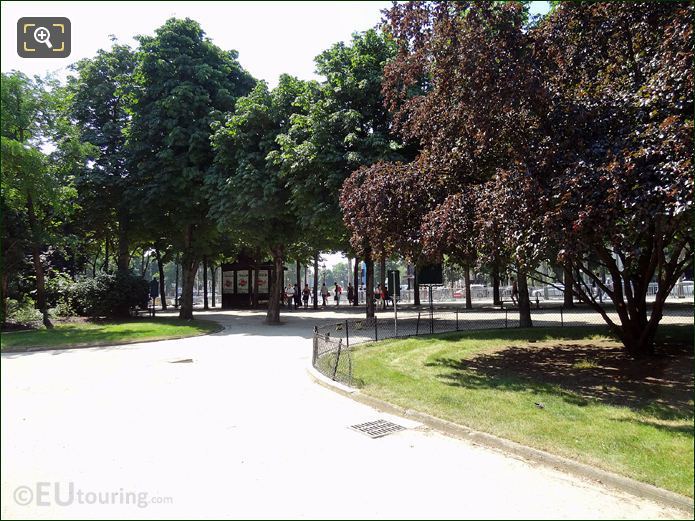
(97, 332)
(598, 407)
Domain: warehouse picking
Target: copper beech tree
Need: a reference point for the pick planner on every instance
(382, 206)
(464, 84)
(576, 133)
(451, 228)
(621, 198)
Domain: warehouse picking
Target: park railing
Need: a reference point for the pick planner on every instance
(543, 293)
(333, 343)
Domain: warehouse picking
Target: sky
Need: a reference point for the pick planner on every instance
(272, 38)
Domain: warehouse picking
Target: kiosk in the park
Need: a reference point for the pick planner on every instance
(246, 283)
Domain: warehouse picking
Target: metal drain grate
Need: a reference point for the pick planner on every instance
(377, 429)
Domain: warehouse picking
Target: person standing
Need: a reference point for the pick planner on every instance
(338, 290)
(297, 297)
(324, 294)
(289, 293)
(305, 295)
(351, 293)
(515, 292)
(384, 296)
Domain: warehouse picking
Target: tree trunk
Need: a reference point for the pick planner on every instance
(189, 268)
(524, 301)
(38, 267)
(638, 341)
(467, 279)
(369, 291)
(356, 281)
(299, 275)
(213, 277)
(205, 283)
(316, 280)
(567, 281)
(496, 284)
(382, 272)
(3, 294)
(254, 288)
(123, 243)
(416, 287)
(162, 285)
(273, 315)
(105, 266)
(177, 262)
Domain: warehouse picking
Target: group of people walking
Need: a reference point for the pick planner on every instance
(300, 298)
(297, 297)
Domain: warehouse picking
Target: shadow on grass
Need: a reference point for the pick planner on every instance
(660, 386)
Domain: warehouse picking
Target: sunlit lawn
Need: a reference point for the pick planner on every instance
(104, 333)
(596, 405)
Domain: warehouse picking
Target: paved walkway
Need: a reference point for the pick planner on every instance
(242, 431)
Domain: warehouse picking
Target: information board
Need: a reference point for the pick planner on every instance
(263, 281)
(227, 282)
(242, 281)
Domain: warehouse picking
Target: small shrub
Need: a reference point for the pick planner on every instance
(23, 311)
(57, 285)
(107, 295)
(63, 307)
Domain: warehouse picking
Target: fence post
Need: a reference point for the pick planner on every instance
(457, 319)
(347, 334)
(505, 318)
(315, 354)
(417, 325)
(337, 358)
(376, 329)
(431, 312)
(562, 319)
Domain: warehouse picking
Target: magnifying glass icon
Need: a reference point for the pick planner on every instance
(43, 35)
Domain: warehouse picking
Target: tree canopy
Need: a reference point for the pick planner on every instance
(183, 84)
(465, 131)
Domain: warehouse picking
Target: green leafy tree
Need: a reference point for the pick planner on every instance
(248, 192)
(102, 96)
(343, 125)
(30, 182)
(184, 84)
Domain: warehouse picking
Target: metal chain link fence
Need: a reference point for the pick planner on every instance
(333, 343)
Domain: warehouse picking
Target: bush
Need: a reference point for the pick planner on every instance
(57, 286)
(107, 295)
(63, 307)
(23, 311)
